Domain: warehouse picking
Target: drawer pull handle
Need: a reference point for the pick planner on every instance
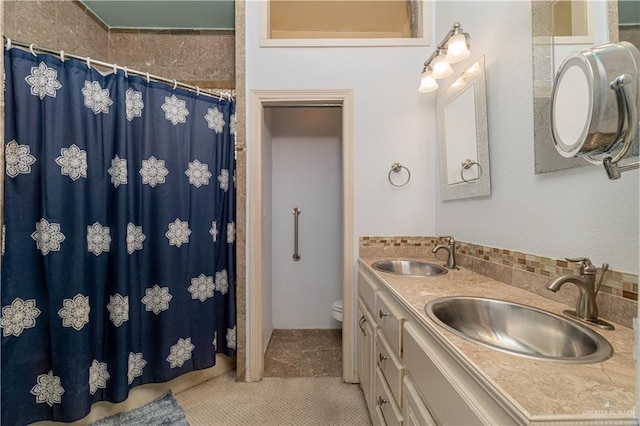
(382, 358)
(361, 324)
(383, 314)
(382, 401)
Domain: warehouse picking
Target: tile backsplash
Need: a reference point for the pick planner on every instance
(618, 294)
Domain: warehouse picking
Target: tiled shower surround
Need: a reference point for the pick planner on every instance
(618, 294)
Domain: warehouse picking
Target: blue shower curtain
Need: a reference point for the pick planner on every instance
(118, 262)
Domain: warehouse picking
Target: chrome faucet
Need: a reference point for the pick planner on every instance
(451, 251)
(586, 306)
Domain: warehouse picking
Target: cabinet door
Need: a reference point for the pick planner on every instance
(366, 354)
(414, 412)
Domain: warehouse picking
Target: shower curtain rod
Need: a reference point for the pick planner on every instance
(223, 93)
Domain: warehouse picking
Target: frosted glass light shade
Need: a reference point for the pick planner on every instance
(427, 83)
(457, 49)
(440, 67)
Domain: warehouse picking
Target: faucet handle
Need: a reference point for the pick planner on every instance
(449, 238)
(586, 266)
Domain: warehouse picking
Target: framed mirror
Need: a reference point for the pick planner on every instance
(463, 142)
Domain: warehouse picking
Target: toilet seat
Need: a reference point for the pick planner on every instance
(336, 310)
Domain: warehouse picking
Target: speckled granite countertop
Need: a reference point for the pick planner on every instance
(544, 391)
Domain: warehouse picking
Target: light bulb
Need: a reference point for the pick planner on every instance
(441, 68)
(457, 49)
(427, 82)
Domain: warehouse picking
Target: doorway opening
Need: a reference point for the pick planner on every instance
(301, 197)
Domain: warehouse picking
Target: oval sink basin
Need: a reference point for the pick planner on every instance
(519, 330)
(409, 267)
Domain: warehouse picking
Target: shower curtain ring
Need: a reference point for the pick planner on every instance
(115, 68)
(125, 73)
(197, 90)
(175, 84)
(31, 49)
(88, 62)
(147, 77)
(62, 55)
(8, 43)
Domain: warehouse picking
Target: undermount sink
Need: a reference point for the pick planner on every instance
(409, 267)
(519, 330)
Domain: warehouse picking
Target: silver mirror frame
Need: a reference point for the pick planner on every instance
(482, 185)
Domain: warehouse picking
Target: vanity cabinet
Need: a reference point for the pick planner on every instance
(366, 345)
(408, 376)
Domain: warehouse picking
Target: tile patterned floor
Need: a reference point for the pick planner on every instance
(304, 353)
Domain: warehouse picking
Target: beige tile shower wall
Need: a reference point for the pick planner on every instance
(61, 25)
(241, 197)
(618, 294)
(199, 57)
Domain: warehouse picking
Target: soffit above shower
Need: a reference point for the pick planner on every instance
(176, 14)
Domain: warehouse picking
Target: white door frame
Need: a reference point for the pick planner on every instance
(260, 99)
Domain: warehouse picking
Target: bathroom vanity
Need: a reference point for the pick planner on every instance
(415, 372)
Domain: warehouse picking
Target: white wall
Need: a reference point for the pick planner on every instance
(307, 173)
(393, 122)
(577, 212)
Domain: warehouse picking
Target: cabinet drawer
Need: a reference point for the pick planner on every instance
(390, 321)
(391, 367)
(443, 401)
(385, 402)
(366, 290)
(414, 412)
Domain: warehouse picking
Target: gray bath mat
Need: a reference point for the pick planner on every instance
(162, 411)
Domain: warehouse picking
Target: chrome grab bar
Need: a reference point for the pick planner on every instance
(296, 213)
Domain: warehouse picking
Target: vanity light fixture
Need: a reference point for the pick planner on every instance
(453, 48)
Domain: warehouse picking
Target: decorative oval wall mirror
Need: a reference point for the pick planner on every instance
(595, 103)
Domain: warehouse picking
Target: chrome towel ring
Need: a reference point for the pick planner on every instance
(397, 168)
(467, 164)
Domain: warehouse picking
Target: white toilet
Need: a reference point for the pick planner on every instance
(336, 310)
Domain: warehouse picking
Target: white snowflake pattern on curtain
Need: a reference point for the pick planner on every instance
(118, 171)
(223, 178)
(198, 173)
(215, 119)
(133, 104)
(136, 364)
(175, 110)
(153, 171)
(215, 341)
(73, 162)
(231, 337)
(43, 81)
(201, 287)
(214, 231)
(96, 98)
(118, 308)
(18, 316)
(222, 281)
(17, 159)
(178, 233)
(135, 238)
(156, 299)
(48, 389)
(98, 376)
(180, 352)
(98, 238)
(47, 236)
(75, 312)
(231, 232)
